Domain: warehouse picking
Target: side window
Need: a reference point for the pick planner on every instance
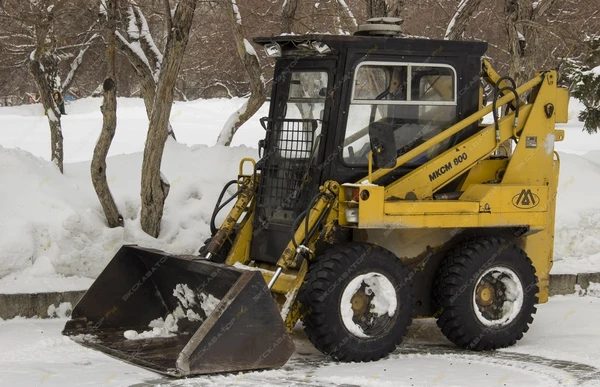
(373, 82)
(306, 96)
(418, 101)
(305, 101)
(432, 84)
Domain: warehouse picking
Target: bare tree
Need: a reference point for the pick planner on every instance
(524, 20)
(108, 13)
(155, 188)
(41, 68)
(462, 17)
(249, 58)
(288, 14)
(33, 34)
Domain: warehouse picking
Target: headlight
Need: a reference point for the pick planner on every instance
(273, 50)
(321, 47)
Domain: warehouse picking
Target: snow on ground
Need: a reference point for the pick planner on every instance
(560, 349)
(52, 226)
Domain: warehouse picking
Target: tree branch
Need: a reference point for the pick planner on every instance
(77, 61)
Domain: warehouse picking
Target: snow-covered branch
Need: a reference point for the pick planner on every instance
(288, 15)
(135, 47)
(141, 41)
(348, 12)
(145, 35)
(77, 61)
(138, 48)
(103, 8)
(459, 11)
(236, 11)
(462, 16)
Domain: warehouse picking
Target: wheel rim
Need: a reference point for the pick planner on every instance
(368, 305)
(497, 297)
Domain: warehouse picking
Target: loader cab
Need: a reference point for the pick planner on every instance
(327, 93)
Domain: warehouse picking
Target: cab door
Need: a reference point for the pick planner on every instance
(289, 166)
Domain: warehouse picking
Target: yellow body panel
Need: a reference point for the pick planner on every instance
(410, 207)
(562, 105)
(485, 171)
(519, 199)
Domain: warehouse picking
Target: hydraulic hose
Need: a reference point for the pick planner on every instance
(219, 206)
(498, 92)
(304, 214)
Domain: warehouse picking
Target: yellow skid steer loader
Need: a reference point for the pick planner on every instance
(380, 196)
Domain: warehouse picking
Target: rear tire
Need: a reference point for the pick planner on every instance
(485, 292)
(357, 302)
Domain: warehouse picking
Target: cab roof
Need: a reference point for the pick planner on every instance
(406, 45)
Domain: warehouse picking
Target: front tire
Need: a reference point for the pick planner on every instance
(485, 291)
(357, 302)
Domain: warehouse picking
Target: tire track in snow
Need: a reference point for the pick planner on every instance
(299, 370)
(560, 370)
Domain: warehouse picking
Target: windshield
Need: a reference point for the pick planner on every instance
(418, 101)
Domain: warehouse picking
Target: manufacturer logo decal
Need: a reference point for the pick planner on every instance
(526, 199)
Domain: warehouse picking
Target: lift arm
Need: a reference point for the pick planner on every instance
(474, 118)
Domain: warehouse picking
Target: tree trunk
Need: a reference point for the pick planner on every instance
(396, 7)
(288, 15)
(376, 8)
(42, 82)
(461, 19)
(147, 83)
(109, 124)
(250, 61)
(516, 39)
(523, 29)
(154, 188)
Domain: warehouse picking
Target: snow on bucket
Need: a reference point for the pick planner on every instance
(181, 316)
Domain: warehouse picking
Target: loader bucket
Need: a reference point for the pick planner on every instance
(226, 320)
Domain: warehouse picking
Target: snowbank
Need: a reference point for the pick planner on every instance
(577, 235)
(57, 218)
(51, 225)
